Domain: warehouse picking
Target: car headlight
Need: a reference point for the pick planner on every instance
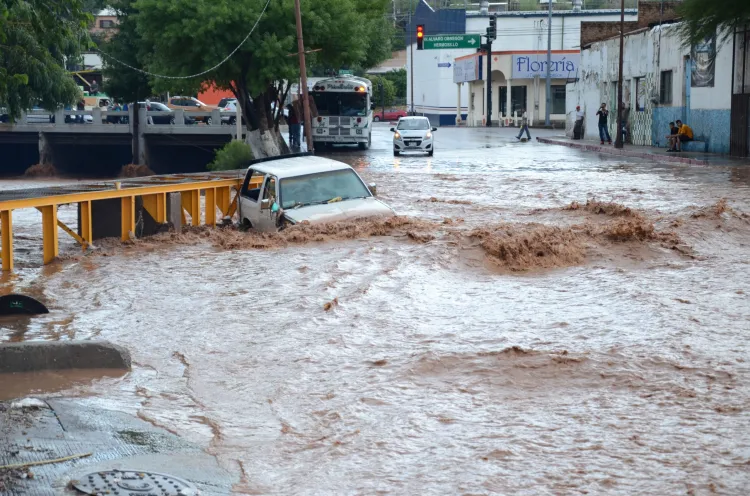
(397, 135)
(428, 136)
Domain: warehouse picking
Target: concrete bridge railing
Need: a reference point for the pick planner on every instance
(103, 117)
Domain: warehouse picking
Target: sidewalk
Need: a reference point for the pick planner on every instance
(647, 152)
(80, 439)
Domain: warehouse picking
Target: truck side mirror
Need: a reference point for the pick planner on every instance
(265, 204)
(373, 189)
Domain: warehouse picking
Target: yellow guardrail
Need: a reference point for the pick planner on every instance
(153, 190)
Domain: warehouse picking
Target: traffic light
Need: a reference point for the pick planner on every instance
(420, 36)
(492, 31)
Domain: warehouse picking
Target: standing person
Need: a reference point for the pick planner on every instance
(294, 127)
(603, 113)
(524, 126)
(578, 127)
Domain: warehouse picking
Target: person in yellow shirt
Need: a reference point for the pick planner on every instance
(684, 133)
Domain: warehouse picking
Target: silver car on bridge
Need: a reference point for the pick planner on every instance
(287, 190)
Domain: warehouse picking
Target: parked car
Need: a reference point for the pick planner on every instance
(389, 115)
(285, 190)
(413, 134)
(37, 115)
(166, 114)
(229, 105)
(190, 104)
(223, 102)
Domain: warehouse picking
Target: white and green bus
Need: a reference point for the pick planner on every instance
(344, 111)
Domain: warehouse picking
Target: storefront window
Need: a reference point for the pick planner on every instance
(517, 99)
(558, 99)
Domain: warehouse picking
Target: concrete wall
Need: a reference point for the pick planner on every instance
(649, 13)
(648, 52)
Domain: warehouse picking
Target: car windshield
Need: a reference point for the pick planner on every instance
(348, 104)
(321, 188)
(200, 103)
(413, 124)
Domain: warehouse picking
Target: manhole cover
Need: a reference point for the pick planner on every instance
(134, 483)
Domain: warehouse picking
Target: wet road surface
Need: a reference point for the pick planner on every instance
(497, 340)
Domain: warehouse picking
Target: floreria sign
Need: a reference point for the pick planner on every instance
(562, 65)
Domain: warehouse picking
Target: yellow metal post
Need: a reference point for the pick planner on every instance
(49, 233)
(86, 222)
(233, 205)
(210, 206)
(128, 217)
(191, 203)
(156, 206)
(6, 217)
(222, 198)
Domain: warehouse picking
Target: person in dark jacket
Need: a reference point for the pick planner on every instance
(603, 113)
(294, 127)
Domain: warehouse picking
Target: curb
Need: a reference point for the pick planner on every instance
(57, 355)
(624, 152)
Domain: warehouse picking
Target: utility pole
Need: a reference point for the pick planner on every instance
(303, 77)
(618, 128)
(548, 106)
(491, 34)
(411, 65)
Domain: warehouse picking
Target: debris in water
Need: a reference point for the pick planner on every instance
(604, 208)
(41, 170)
(380, 363)
(333, 303)
(135, 170)
(713, 211)
(452, 202)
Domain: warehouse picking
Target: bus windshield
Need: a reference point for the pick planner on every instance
(347, 104)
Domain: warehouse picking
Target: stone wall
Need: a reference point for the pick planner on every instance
(649, 14)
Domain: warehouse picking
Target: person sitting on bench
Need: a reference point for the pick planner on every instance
(684, 134)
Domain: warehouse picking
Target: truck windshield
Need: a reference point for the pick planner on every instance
(347, 104)
(321, 188)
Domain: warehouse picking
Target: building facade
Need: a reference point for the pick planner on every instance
(662, 81)
(518, 65)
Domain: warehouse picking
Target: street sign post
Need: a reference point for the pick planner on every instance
(443, 41)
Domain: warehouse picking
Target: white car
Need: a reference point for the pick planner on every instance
(229, 106)
(288, 190)
(413, 134)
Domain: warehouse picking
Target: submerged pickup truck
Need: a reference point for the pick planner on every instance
(288, 190)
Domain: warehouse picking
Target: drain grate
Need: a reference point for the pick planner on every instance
(134, 483)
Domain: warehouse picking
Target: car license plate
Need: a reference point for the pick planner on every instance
(411, 143)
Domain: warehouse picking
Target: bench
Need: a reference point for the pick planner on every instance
(695, 146)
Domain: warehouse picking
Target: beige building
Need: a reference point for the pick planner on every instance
(105, 23)
(518, 85)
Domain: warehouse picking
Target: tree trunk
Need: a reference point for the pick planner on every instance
(263, 135)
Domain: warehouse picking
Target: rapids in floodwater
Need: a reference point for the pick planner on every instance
(537, 321)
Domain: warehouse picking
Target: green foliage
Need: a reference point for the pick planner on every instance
(705, 18)
(120, 82)
(190, 36)
(398, 78)
(36, 37)
(389, 91)
(232, 156)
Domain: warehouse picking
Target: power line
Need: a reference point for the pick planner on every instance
(162, 76)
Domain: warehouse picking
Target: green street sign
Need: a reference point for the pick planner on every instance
(442, 41)
(345, 72)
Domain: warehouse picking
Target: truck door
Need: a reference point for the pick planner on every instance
(269, 209)
(250, 197)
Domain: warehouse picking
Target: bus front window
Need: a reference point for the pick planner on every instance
(347, 104)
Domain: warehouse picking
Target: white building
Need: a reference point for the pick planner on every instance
(519, 35)
(662, 81)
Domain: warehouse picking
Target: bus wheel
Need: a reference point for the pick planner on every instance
(365, 146)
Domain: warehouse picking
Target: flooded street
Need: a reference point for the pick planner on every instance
(503, 337)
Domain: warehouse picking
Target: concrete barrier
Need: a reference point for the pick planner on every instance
(56, 355)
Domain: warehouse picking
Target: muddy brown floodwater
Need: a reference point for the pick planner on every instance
(537, 321)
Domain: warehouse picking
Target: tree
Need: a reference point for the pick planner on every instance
(190, 36)
(389, 91)
(398, 78)
(36, 38)
(706, 18)
(232, 156)
(121, 82)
